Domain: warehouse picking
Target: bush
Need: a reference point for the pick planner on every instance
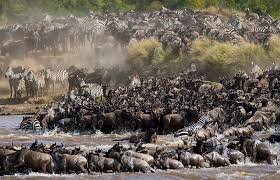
(144, 53)
(226, 57)
(227, 12)
(275, 48)
(148, 56)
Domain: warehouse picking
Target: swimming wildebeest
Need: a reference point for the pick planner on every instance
(133, 164)
(216, 159)
(37, 161)
(191, 159)
(67, 162)
(103, 164)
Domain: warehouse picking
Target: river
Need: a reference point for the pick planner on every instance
(9, 133)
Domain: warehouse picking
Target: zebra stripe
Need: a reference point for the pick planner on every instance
(97, 26)
(263, 29)
(16, 82)
(190, 130)
(30, 124)
(231, 31)
(92, 89)
(59, 75)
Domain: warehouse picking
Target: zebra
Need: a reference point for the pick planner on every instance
(190, 130)
(41, 83)
(96, 30)
(30, 124)
(263, 29)
(92, 90)
(16, 83)
(55, 76)
(31, 84)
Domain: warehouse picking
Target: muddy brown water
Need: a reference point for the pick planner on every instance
(9, 133)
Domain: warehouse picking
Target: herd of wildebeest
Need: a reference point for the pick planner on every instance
(219, 123)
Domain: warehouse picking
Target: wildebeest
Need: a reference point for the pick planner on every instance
(191, 159)
(37, 161)
(164, 162)
(217, 160)
(259, 120)
(133, 164)
(103, 164)
(66, 162)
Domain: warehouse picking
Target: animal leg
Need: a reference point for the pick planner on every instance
(44, 168)
(11, 91)
(82, 168)
(254, 158)
(51, 165)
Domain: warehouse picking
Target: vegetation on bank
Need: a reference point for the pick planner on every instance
(148, 56)
(22, 10)
(223, 58)
(231, 58)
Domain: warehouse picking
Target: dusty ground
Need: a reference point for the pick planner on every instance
(20, 109)
(37, 61)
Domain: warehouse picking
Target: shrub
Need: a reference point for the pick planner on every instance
(274, 50)
(145, 53)
(226, 57)
(223, 11)
(148, 56)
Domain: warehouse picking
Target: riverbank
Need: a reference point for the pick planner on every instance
(25, 106)
(19, 109)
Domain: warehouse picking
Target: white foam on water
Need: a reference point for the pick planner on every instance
(37, 175)
(235, 175)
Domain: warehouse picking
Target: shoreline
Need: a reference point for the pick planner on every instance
(19, 109)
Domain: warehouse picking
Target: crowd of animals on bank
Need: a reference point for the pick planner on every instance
(34, 84)
(176, 29)
(218, 123)
(25, 82)
(166, 104)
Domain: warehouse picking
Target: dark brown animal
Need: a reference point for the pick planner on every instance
(103, 164)
(133, 164)
(165, 162)
(172, 122)
(66, 162)
(263, 152)
(190, 159)
(217, 160)
(37, 161)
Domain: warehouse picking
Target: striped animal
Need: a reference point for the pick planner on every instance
(263, 29)
(30, 124)
(91, 89)
(31, 84)
(55, 76)
(41, 83)
(16, 83)
(192, 129)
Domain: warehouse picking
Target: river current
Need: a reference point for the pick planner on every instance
(9, 133)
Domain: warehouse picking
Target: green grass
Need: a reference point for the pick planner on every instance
(24, 10)
(231, 58)
(148, 56)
